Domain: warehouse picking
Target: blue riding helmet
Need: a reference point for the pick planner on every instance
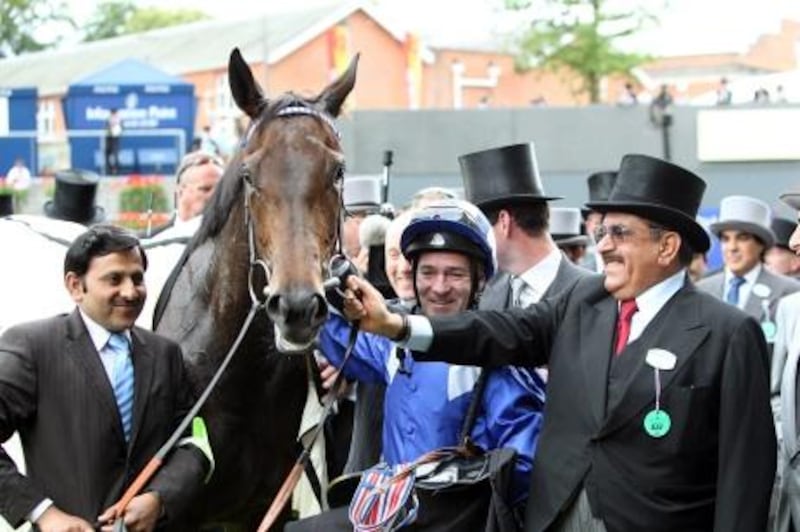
(451, 225)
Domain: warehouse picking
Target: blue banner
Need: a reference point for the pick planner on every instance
(157, 113)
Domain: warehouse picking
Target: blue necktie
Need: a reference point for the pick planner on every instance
(123, 380)
(733, 291)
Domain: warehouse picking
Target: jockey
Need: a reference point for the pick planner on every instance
(450, 246)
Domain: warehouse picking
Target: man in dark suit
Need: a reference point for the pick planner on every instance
(505, 184)
(660, 423)
(780, 258)
(94, 398)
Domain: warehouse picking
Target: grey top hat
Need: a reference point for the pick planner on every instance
(74, 197)
(502, 175)
(362, 193)
(792, 198)
(565, 227)
(746, 214)
(783, 230)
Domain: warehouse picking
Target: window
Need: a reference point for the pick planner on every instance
(46, 119)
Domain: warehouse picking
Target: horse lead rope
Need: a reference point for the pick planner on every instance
(280, 500)
(155, 463)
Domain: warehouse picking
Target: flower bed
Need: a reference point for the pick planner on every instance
(140, 195)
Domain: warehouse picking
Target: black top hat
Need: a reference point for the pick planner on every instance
(783, 230)
(502, 175)
(600, 185)
(6, 204)
(74, 198)
(661, 192)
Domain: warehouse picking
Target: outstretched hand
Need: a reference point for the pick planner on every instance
(365, 304)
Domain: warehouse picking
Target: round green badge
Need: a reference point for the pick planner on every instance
(657, 423)
(769, 329)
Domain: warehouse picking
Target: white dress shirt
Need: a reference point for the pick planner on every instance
(745, 288)
(649, 302)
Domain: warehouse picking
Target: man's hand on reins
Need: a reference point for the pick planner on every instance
(141, 514)
(364, 304)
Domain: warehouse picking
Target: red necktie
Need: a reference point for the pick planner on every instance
(626, 311)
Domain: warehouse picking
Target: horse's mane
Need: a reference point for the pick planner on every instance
(229, 188)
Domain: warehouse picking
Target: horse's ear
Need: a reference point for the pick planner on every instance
(246, 91)
(333, 96)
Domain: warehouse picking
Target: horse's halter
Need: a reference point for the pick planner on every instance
(250, 189)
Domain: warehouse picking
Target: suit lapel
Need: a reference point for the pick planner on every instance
(143, 367)
(79, 347)
(677, 329)
(566, 273)
(597, 324)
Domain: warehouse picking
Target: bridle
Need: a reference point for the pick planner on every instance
(258, 263)
(256, 304)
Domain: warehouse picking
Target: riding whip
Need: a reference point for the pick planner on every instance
(155, 463)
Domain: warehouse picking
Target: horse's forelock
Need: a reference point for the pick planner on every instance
(229, 189)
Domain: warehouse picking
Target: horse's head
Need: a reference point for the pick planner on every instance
(292, 164)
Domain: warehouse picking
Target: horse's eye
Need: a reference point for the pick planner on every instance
(338, 173)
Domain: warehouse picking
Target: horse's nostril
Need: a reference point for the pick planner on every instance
(273, 306)
(317, 310)
(309, 308)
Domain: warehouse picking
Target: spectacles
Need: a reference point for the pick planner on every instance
(620, 233)
(198, 159)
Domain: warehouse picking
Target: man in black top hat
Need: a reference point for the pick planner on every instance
(658, 414)
(600, 185)
(504, 183)
(74, 198)
(780, 258)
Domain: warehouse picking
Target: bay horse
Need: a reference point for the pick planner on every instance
(267, 235)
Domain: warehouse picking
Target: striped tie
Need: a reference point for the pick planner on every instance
(123, 380)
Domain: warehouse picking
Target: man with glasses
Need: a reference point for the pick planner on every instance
(195, 180)
(658, 413)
